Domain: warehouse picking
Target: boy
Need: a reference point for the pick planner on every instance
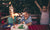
(26, 18)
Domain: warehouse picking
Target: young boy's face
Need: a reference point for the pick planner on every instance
(26, 14)
(44, 8)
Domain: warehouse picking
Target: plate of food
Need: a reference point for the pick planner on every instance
(19, 27)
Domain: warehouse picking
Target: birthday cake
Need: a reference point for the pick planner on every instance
(19, 27)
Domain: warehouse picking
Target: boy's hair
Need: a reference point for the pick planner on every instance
(27, 10)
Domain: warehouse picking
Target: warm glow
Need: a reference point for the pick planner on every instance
(20, 14)
(23, 13)
(13, 16)
(16, 14)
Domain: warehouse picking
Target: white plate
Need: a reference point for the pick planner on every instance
(16, 27)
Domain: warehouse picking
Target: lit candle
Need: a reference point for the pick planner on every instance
(23, 13)
(16, 14)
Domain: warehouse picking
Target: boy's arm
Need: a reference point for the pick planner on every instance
(30, 23)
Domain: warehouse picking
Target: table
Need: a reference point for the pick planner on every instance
(34, 27)
(38, 27)
(16, 27)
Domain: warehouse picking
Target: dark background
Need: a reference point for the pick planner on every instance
(19, 5)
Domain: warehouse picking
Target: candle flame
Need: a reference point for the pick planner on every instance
(16, 14)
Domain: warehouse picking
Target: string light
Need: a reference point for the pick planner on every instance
(16, 14)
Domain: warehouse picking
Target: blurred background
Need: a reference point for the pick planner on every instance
(19, 6)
